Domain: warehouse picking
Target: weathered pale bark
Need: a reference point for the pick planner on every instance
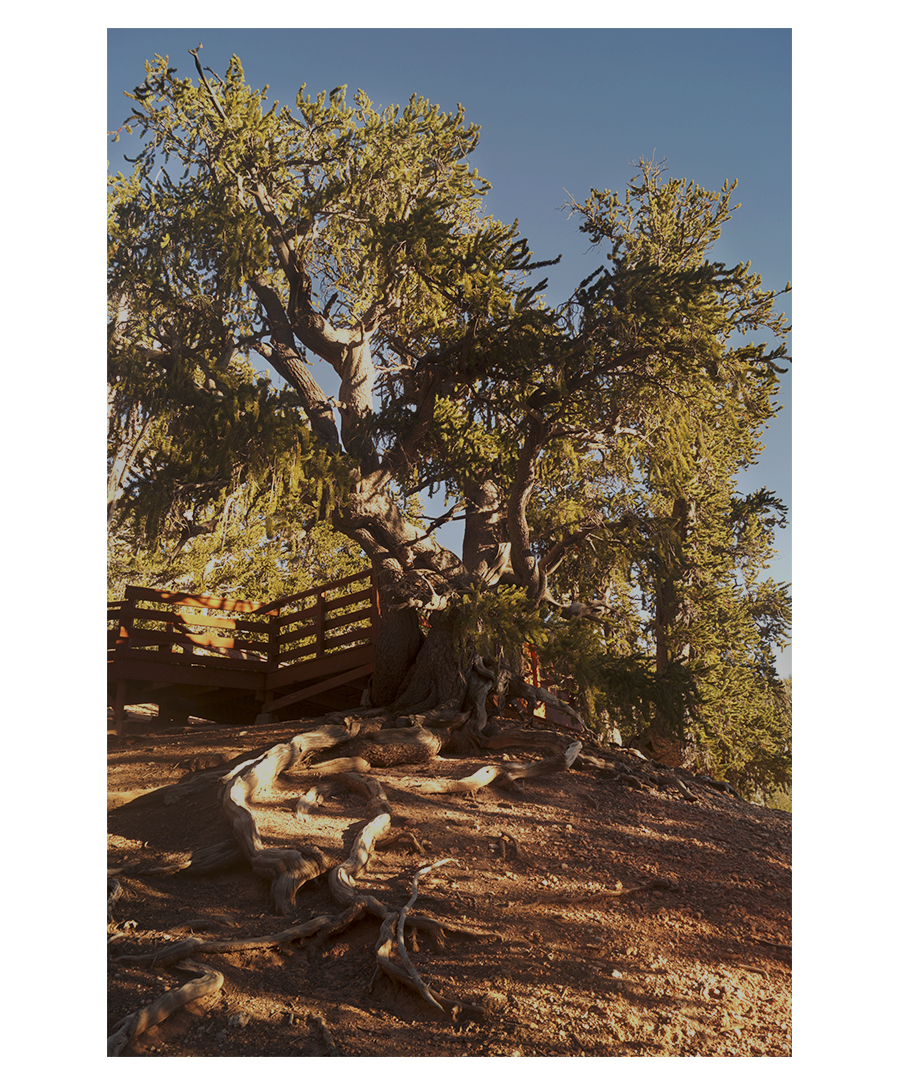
(416, 575)
(208, 982)
(524, 565)
(283, 355)
(130, 446)
(483, 541)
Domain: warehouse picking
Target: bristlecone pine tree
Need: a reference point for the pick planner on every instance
(699, 548)
(591, 449)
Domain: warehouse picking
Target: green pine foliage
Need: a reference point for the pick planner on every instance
(498, 622)
(250, 558)
(696, 546)
(611, 430)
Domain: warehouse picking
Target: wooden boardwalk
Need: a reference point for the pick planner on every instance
(231, 660)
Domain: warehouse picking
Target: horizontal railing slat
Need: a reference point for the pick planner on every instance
(192, 600)
(289, 637)
(349, 619)
(350, 598)
(361, 620)
(196, 619)
(326, 587)
(327, 606)
(360, 636)
(290, 657)
(295, 617)
(177, 638)
(193, 663)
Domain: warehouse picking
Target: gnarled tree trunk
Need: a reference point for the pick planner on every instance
(438, 678)
(396, 651)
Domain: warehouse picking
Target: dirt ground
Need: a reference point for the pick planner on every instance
(703, 969)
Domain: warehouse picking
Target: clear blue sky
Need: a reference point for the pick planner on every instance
(560, 111)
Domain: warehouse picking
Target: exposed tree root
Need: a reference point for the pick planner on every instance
(474, 706)
(311, 800)
(506, 774)
(341, 884)
(393, 747)
(587, 760)
(401, 940)
(632, 780)
(210, 980)
(647, 775)
(725, 787)
(448, 1004)
(288, 869)
(561, 762)
(403, 833)
(370, 788)
(334, 766)
(340, 878)
(394, 971)
(470, 784)
(527, 738)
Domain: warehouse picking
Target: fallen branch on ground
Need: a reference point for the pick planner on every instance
(595, 896)
(172, 954)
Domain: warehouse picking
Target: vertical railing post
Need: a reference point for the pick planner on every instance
(376, 608)
(274, 641)
(126, 621)
(320, 624)
(273, 649)
(125, 624)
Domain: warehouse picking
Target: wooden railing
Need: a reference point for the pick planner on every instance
(113, 612)
(279, 650)
(156, 622)
(323, 620)
(308, 651)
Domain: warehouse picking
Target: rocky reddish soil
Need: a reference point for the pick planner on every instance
(701, 968)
